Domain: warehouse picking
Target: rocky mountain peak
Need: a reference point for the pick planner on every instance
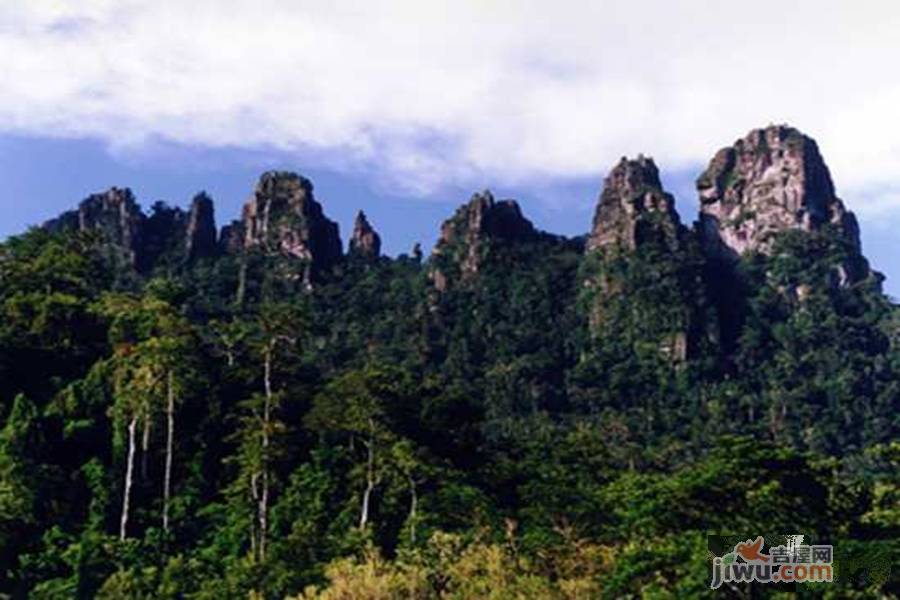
(365, 241)
(485, 217)
(138, 240)
(201, 228)
(770, 181)
(633, 206)
(465, 236)
(115, 215)
(282, 216)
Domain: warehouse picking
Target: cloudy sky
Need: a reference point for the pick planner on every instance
(405, 108)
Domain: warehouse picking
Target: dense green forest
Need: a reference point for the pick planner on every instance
(518, 415)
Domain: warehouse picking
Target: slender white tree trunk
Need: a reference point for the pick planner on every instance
(254, 534)
(145, 449)
(263, 516)
(170, 442)
(413, 506)
(129, 474)
(370, 477)
(267, 418)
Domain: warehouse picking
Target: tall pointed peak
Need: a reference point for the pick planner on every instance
(773, 179)
(466, 236)
(632, 204)
(283, 216)
(485, 217)
(115, 215)
(201, 228)
(365, 241)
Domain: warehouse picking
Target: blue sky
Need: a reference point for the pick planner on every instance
(405, 108)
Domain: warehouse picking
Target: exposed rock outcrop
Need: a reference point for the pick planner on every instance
(365, 241)
(201, 228)
(231, 238)
(283, 217)
(772, 180)
(115, 215)
(634, 210)
(466, 236)
(138, 240)
(633, 207)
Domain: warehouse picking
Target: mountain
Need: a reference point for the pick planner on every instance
(283, 217)
(365, 241)
(113, 214)
(633, 207)
(641, 270)
(772, 180)
(466, 237)
(201, 228)
(258, 413)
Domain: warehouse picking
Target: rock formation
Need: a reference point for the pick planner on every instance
(282, 217)
(365, 241)
(466, 236)
(633, 207)
(231, 238)
(633, 210)
(140, 241)
(113, 214)
(201, 228)
(771, 181)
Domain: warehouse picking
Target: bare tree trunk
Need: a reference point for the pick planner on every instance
(254, 493)
(170, 442)
(145, 449)
(267, 418)
(129, 474)
(370, 477)
(263, 516)
(267, 373)
(413, 505)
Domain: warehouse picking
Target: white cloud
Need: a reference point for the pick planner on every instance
(431, 93)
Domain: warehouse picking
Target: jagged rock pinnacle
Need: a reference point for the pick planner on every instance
(632, 206)
(115, 215)
(283, 217)
(201, 228)
(772, 180)
(482, 219)
(365, 241)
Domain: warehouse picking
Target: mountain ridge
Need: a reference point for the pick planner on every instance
(771, 180)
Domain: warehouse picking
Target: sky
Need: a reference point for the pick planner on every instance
(404, 109)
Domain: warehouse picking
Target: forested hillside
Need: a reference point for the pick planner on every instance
(188, 412)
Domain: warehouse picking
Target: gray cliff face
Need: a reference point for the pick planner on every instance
(283, 217)
(772, 180)
(365, 241)
(465, 236)
(633, 207)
